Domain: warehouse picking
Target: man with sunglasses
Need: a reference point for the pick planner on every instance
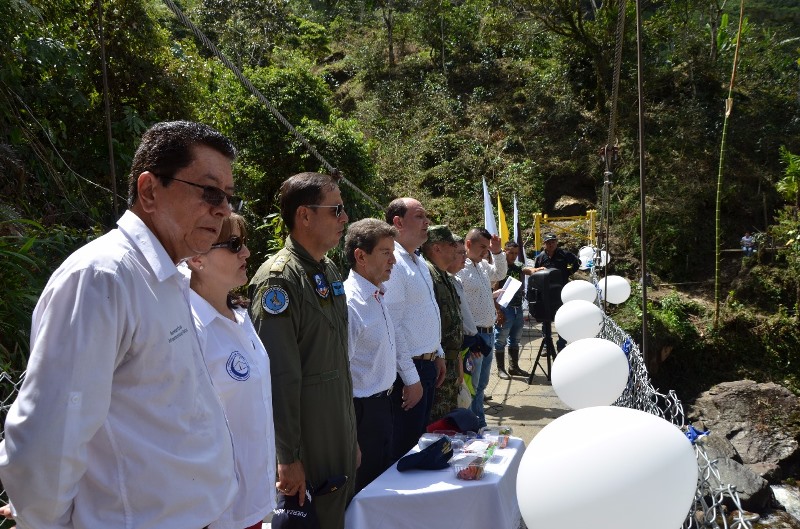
(117, 423)
(299, 310)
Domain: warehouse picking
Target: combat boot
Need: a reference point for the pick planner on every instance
(513, 355)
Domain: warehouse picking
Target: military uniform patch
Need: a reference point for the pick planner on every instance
(275, 300)
(338, 288)
(321, 285)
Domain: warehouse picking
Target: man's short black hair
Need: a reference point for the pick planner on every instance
(474, 233)
(303, 189)
(511, 244)
(397, 208)
(168, 147)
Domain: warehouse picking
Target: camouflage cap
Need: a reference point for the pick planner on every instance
(440, 233)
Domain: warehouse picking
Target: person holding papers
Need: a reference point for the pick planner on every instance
(510, 320)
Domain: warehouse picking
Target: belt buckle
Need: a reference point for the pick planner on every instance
(389, 391)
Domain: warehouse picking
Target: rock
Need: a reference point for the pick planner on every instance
(754, 491)
(718, 447)
(568, 206)
(759, 420)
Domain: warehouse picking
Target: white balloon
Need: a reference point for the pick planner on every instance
(590, 372)
(586, 251)
(586, 254)
(607, 467)
(578, 319)
(619, 289)
(578, 289)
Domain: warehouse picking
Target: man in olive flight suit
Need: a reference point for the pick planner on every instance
(300, 312)
(439, 251)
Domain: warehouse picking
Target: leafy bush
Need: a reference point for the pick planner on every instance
(29, 252)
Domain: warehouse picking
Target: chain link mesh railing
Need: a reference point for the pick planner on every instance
(712, 496)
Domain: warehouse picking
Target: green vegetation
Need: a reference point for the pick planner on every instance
(428, 98)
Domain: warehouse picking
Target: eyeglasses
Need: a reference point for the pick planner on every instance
(214, 195)
(234, 244)
(338, 212)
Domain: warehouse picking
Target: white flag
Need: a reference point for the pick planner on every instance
(488, 212)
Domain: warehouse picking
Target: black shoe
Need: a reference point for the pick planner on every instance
(517, 372)
(502, 374)
(487, 397)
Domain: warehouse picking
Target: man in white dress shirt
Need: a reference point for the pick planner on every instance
(477, 277)
(117, 423)
(369, 248)
(417, 326)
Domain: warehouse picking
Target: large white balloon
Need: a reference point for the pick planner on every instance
(619, 289)
(586, 254)
(590, 372)
(578, 319)
(578, 289)
(607, 467)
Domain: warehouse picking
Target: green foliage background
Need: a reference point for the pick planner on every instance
(516, 92)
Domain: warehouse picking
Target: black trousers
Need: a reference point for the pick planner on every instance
(374, 430)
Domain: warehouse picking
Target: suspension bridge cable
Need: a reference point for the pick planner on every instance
(258, 95)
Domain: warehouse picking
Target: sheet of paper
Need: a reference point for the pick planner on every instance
(510, 288)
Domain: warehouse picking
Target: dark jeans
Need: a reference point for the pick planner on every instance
(410, 425)
(374, 429)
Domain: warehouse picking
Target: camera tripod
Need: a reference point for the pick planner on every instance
(547, 348)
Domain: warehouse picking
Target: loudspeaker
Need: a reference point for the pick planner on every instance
(544, 293)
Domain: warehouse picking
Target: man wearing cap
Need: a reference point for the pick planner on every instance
(554, 257)
(510, 320)
(417, 326)
(300, 312)
(477, 278)
(439, 251)
(369, 248)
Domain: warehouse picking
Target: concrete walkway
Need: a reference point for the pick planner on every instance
(525, 408)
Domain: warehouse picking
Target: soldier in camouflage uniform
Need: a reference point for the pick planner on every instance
(439, 251)
(300, 313)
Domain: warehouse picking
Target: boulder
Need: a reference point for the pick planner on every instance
(759, 420)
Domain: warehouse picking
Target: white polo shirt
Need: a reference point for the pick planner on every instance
(117, 423)
(239, 368)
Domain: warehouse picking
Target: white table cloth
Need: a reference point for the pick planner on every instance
(437, 499)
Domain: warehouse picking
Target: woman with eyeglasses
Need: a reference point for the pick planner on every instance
(239, 368)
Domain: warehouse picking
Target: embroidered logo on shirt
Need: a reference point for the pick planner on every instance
(338, 288)
(321, 285)
(275, 300)
(237, 366)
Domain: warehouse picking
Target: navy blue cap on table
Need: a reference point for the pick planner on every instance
(434, 457)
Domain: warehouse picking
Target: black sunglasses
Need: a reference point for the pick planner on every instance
(234, 244)
(338, 212)
(214, 195)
